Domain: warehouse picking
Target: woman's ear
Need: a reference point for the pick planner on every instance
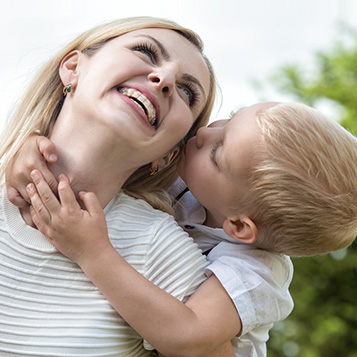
(68, 69)
(171, 156)
(167, 159)
(242, 229)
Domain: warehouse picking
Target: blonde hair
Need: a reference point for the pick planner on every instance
(303, 189)
(42, 102)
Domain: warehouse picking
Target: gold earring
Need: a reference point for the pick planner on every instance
(154, 170)
(67, 89)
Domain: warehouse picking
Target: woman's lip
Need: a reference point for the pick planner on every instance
(154, 101)
(137, 109)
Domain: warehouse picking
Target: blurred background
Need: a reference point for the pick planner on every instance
(281, 50)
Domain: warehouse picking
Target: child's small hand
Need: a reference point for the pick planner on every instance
(33, 155)
(79, 234)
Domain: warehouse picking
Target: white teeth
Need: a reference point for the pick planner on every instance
(145, 103)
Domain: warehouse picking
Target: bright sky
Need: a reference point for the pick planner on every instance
(245, 40)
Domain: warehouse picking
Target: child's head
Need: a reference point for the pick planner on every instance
(282, 170)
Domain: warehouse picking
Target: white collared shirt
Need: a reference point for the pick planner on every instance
(256, 280)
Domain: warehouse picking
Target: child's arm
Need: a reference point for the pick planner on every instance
(205, 323)
(224, 351)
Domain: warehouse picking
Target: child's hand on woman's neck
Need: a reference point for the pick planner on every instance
(99, 166)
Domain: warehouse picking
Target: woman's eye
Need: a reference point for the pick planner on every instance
(190, 93)
(148, 50)
(187, 93)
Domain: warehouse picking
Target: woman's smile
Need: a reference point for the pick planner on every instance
(147, 107)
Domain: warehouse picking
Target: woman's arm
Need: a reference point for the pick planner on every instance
(197, 328)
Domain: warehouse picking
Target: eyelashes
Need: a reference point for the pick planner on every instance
(213, 154)
(150, 50)
(191, 92)
(232, 113)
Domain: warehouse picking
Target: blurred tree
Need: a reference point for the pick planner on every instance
(324, 320)
(334, 78)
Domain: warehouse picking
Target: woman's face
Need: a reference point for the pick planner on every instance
(147, 87)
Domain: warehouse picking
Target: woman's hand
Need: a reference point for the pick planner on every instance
(36, 151)
(77, 233)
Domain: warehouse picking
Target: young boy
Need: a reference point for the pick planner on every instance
(276, 165)
(279, 178)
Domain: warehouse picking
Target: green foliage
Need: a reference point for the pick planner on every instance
(334, 79)
(324, 320)
(324, 289)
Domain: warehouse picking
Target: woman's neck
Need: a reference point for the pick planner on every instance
(91, 159)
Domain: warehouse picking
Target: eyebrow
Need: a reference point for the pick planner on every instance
(235, 111)
(165, 54)
(189, 78)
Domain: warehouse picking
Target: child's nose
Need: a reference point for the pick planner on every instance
(202, 136)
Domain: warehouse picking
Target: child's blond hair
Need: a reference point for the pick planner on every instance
(303, 194)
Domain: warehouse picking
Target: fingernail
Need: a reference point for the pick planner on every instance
(30, 187)
(34, 174)
(53, 157)
(81, 194)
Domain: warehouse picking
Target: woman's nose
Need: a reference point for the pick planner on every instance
(163, 78)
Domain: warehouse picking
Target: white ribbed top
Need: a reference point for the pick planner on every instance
(48, 307)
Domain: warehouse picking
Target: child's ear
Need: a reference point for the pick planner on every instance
(242, 229)
(167, 159)
(68, 69)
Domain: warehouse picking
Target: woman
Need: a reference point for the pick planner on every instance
(117, 102)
